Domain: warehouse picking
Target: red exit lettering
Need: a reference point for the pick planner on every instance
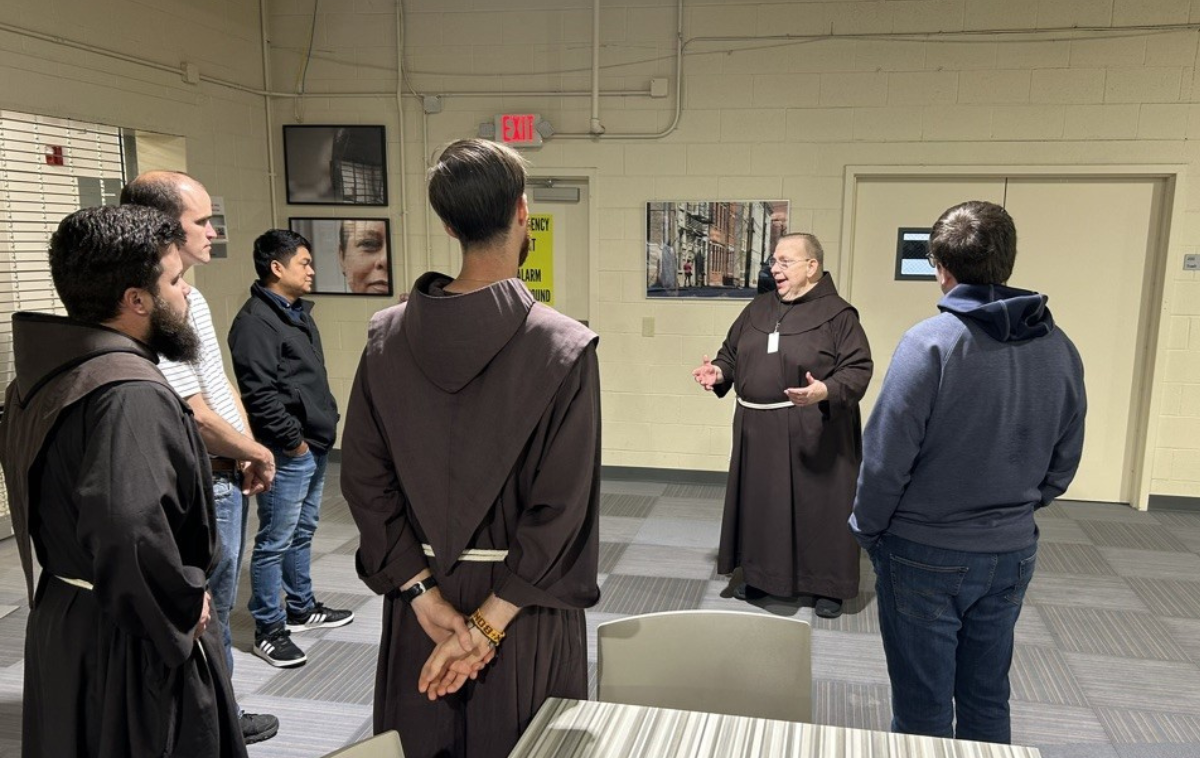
(517, 128)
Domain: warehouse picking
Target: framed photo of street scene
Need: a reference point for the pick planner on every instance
(351, 256)
(711, 249)
(335, 165)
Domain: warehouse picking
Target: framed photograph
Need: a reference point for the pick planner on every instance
(716, 249)
(351, 256)
(335, 165)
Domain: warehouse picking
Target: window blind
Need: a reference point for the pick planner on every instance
(49, 168)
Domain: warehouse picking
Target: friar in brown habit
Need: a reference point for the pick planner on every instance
(800, 363)
(471, 463)
(108, 478)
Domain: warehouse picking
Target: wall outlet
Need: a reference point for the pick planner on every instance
(648, 326)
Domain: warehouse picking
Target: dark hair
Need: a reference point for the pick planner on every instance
(814, 245)
(98, 253)
(474, 188)
(157, 189)
(976, 242)
(276, 245)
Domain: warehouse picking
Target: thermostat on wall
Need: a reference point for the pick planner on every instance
(912, 247)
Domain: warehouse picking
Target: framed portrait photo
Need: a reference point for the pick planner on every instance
(335, 165)
(351, 256)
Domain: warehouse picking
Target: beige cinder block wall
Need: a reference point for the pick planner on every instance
(776, 118)
(225, 128)
(770, 119)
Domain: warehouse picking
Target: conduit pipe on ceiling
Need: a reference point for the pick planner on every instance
(176, 71)
(595, 81)
(403, 194)
(1044, 35)
(266, 73)
(596, 127)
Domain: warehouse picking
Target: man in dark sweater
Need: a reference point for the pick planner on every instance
(978, 424)
(280, 367)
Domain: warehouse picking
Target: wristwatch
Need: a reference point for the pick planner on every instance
(418, 589)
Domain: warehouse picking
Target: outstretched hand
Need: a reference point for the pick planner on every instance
(811, 394)
(708, 375)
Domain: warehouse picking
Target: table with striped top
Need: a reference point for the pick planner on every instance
(589, 729)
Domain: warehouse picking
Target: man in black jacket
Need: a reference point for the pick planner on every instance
(280, 369)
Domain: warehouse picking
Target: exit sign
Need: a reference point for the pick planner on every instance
(518, 129)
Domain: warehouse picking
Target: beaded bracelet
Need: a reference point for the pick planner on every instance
(493, 635)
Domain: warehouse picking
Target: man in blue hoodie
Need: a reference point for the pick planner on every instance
(979, 423)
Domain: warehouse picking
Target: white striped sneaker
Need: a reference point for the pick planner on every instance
(277, 649)
(319, 617)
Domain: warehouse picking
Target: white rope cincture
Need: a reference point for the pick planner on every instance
(472, 554)
(765, 406)
(80, 583)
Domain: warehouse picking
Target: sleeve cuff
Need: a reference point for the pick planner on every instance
(394, 574)
(515, 590)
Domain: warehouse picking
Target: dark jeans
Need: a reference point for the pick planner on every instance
(287, 518)
(947, 619)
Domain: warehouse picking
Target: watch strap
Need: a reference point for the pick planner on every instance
(418, 589)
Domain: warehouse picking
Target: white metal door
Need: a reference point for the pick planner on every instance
(1085, 242)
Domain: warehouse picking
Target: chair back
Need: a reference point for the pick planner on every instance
(386, 745)
(729, 662)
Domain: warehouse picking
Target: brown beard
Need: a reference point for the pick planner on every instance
(525, 243)
(171, 335)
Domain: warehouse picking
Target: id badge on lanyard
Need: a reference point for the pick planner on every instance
(773, 342)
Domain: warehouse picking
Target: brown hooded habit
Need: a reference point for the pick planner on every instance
(109, 480)
(474, 423)
(793, 470)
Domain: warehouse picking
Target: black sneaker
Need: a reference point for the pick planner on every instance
(277, 649)
(319, 617)
(828, 607)
(746, 591)
(258, 727)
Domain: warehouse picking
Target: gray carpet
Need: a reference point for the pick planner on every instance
(1107, 663)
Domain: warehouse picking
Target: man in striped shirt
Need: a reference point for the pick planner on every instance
(240, 466)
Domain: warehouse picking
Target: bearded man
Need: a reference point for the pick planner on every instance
(108, 477)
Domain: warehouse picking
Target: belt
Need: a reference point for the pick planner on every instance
(471, 554)
(765, 406)
(80, 583)
(223, 465)
(83, 584)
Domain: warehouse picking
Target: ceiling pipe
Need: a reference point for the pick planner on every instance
(596, 127)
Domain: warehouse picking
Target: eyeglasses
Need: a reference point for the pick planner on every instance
(784, 264)
(932, 261)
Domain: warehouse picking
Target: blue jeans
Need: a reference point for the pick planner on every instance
(287, 518)
(947, 619)
(230, 507)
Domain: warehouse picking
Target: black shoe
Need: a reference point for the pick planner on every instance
(746, 592)
(319, 617)
(828, 607)
(277, 649)
(258, 727)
